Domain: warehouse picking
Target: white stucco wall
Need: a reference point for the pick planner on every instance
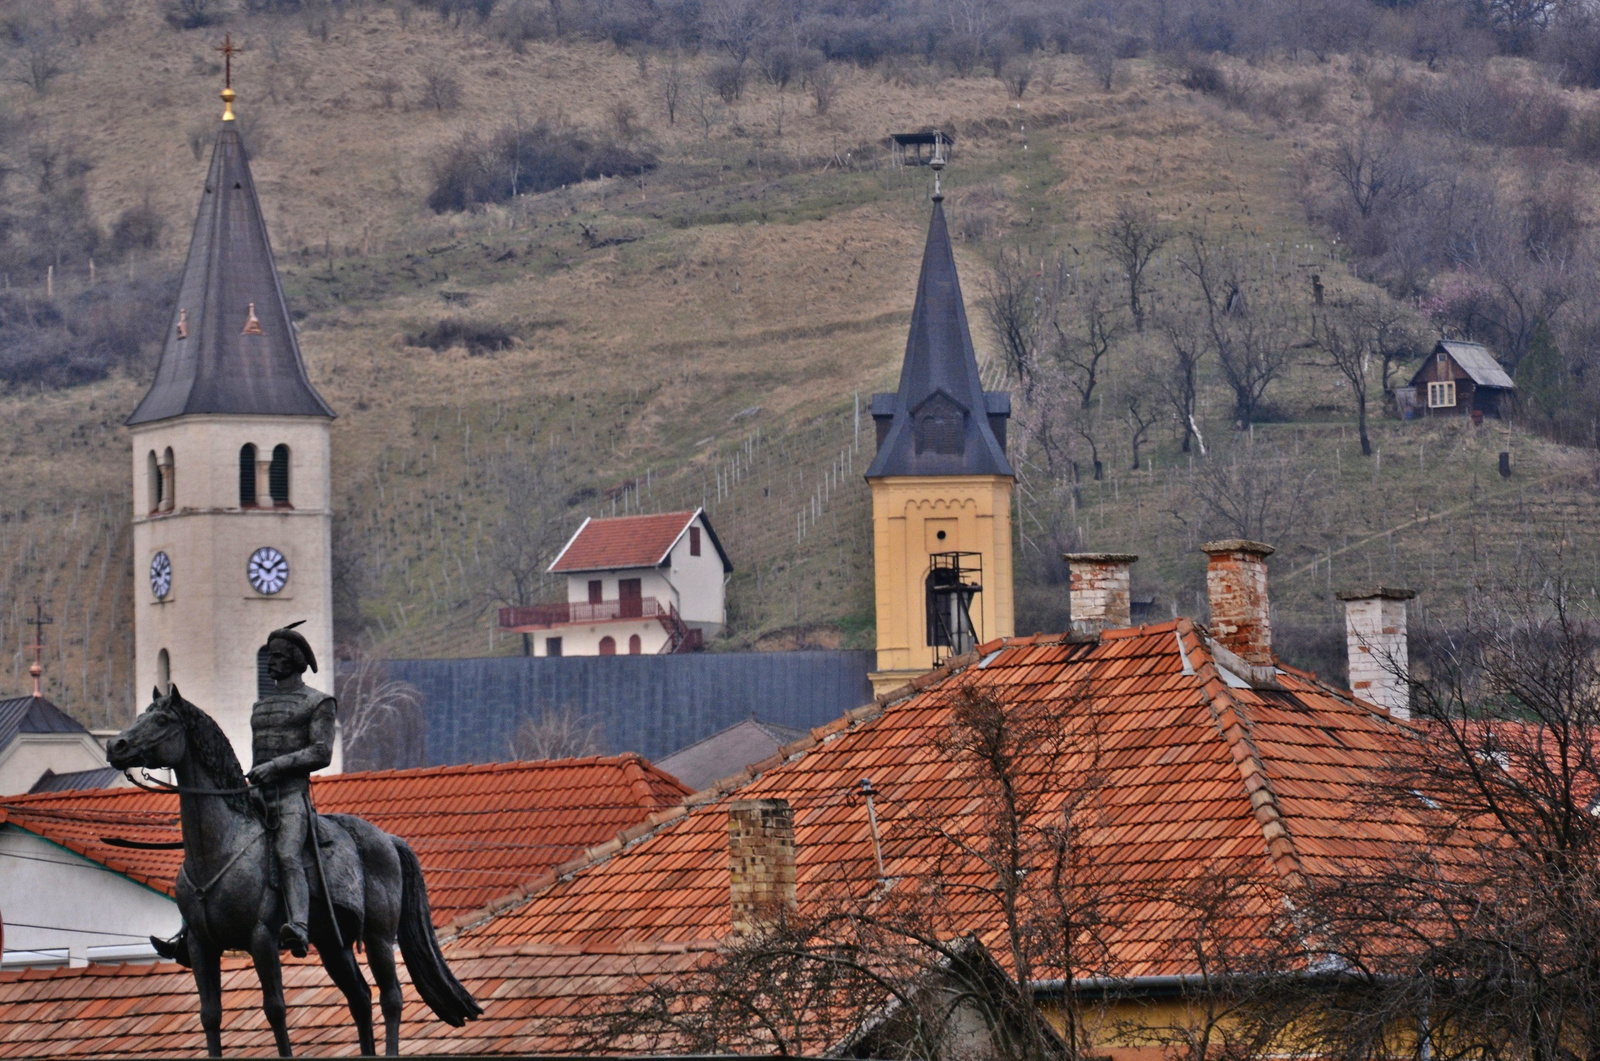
(29, 755)
(213, 621)
(585, 640)
(52, 899)
(698, 581)
(652, 583)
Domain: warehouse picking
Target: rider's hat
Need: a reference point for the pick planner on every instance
(295, 638)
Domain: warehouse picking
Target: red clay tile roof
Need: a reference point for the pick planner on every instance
(1199, 770)
(627, 541)
(480, 832)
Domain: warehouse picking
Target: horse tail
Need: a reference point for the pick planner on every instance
(432, 978)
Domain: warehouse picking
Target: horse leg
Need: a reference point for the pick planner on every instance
(264, 949)
(341, 965)
(380, 959)
(207, 965)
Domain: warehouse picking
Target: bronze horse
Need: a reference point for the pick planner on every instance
(229, 900)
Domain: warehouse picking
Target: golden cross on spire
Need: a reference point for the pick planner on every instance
(39, 621)
(228, 50)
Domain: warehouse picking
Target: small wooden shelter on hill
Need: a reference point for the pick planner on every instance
(1458, 379)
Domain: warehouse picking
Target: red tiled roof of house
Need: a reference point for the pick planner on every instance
(1199, 770)
(480, 832)
(625, 542)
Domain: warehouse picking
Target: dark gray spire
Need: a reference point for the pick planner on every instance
(231, 347)
(940, 422)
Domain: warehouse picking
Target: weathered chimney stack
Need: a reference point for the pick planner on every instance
(760, 862)
(1098, 586)
(1375, 638)
(1236, 586)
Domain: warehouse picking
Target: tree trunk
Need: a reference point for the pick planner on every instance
(1361, 424)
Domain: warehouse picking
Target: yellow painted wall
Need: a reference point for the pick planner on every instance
(908, 512)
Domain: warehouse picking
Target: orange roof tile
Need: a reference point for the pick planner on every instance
(480, 831)
(627, 541)
(1198, 772)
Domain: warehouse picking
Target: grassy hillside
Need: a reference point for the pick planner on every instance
(698, 335)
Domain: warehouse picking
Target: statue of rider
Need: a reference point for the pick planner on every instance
(292, 733)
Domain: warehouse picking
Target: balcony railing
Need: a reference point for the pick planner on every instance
(539, 616)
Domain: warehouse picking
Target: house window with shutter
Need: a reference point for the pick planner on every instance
(1442, 395)
(694, 541)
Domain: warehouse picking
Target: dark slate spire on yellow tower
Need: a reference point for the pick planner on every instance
(231, 347)
(941, 486)
(940, 422)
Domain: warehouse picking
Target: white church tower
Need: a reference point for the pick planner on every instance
(232, 521)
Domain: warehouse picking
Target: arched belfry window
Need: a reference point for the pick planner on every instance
(247, 475)
(169, 481)
(163, 672)
(153, 468)
(278, 475)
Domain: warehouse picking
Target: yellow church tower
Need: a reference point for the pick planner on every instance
(941, 487)
(232, 514)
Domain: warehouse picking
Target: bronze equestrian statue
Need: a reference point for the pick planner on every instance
(244, 884)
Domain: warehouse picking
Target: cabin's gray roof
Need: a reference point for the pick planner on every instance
(1476, 361)
(727, 751)
(216, 367)
(941, 413)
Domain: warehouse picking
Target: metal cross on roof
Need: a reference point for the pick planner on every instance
(39, 621)
(228, 51)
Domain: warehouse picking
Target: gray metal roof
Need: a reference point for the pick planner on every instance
(219, 367)
(33, 714)
(76, 780)
(1476, 361)
(727, 751)
(653, 705)
(941, 413)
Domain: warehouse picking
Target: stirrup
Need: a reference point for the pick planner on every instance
(175, 949)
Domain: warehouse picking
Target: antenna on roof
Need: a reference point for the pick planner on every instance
(937, 164)
(39, 621)
(872, 819)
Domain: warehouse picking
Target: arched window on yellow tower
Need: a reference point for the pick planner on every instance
(247, 475)
(278, 475)
(153, 475)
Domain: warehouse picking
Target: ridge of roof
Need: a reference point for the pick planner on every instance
(1234, 725)
(230, 347)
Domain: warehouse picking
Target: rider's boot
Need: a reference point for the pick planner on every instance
(292, 937)
(175, 949)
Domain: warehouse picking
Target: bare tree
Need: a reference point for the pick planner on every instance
(824, 82)
(1132, 239)
(1248, 317)
(530, 530)
(1488, 926)
(1092, 329)
(1141, 405)
(40, 57)
(1375, 169)
(1011, 299)
(380, 718)
(1358, 338)
(441, 89)
(671, 82)
(1252, 491)
(1187, 342)
(558, 733)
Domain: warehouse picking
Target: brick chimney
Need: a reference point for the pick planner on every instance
(1236, 586)
(1098, 589)
(1375, 638)
(760, 862)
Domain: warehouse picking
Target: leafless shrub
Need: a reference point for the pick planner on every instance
(625, 120)
(726, 78)
(381, 719)
(1017, 74)
(824, 82)
(558, 733)
(41, 56)
(1252, 490)
(671, 81)
(441, 89)
(982, 211)
(386, 87)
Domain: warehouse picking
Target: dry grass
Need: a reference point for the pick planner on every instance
(769, 263)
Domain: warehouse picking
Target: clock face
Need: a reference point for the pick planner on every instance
(161, 576)
(268, 570)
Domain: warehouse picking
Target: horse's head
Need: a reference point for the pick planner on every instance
(157, 738)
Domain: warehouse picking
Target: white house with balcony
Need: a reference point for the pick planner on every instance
(636, 585)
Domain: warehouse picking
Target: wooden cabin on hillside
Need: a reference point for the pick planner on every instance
(1458, 378)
